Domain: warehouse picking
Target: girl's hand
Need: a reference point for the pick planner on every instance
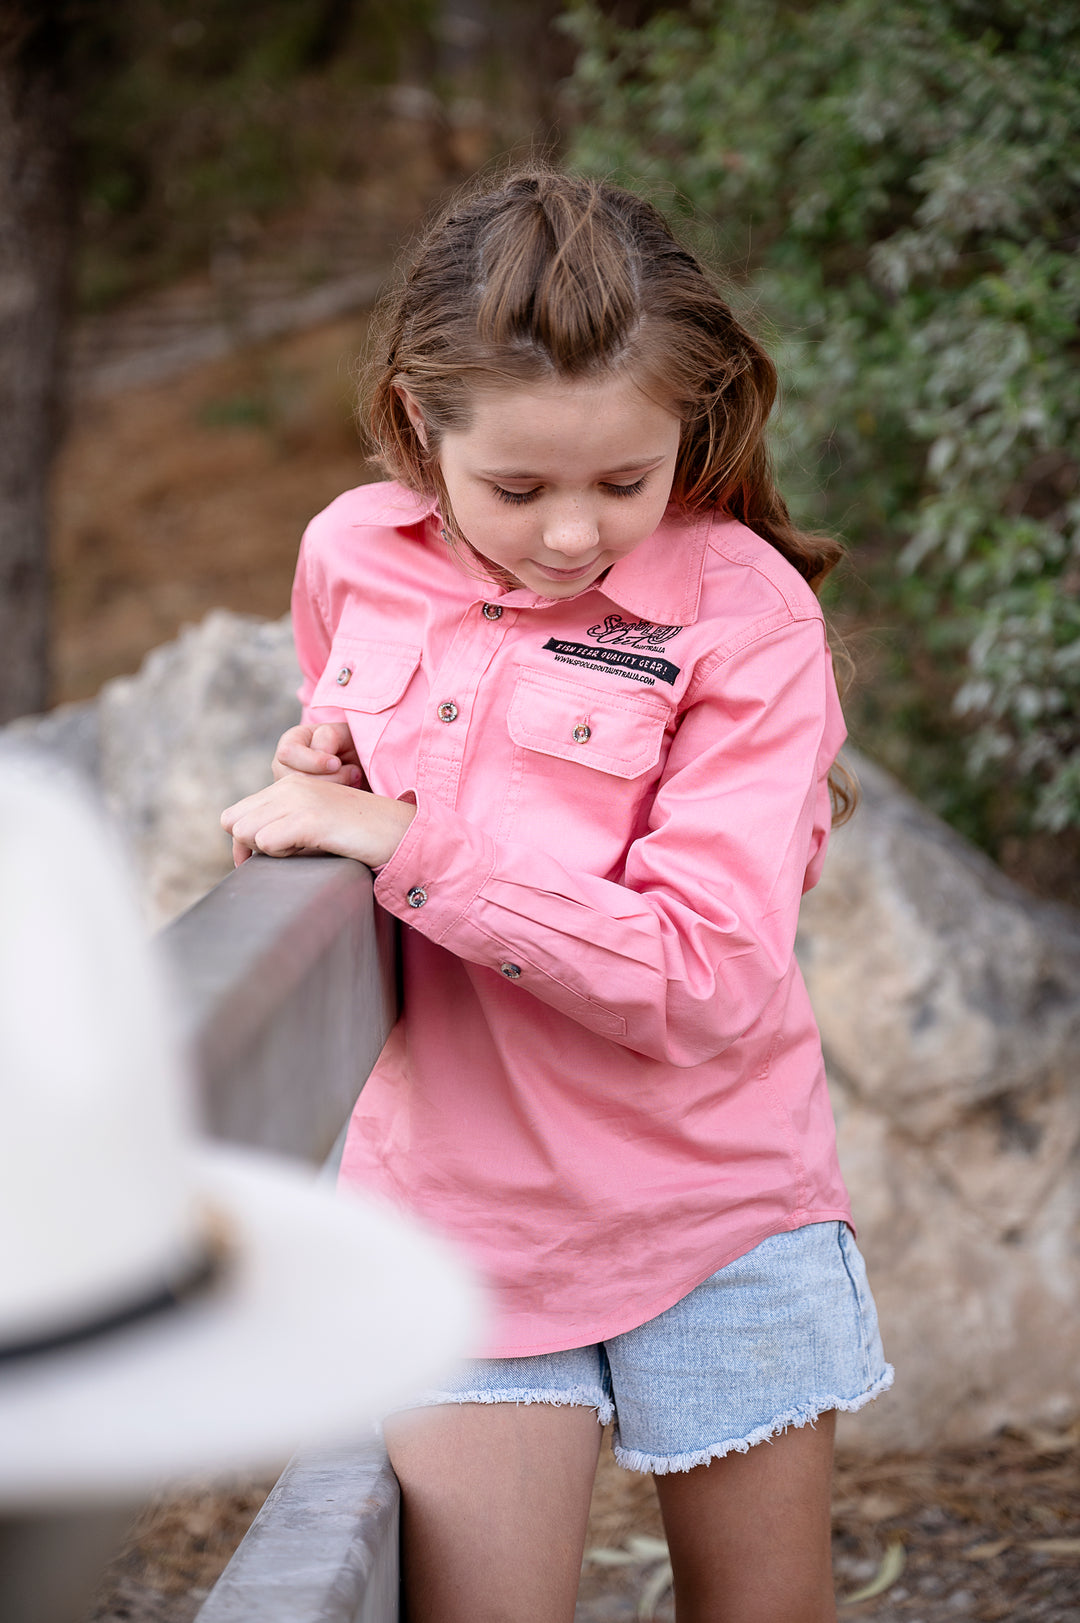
(325, 751)
(300, 814)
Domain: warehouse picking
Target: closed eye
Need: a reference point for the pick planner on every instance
(520, 498)
(517, 498)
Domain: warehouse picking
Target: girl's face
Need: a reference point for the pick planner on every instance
(554, 482)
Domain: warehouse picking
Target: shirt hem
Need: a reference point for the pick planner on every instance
(587, 1336)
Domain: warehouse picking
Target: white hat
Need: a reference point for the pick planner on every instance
(167, 1308)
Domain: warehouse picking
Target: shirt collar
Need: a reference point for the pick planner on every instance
(402, 507)
(659, 581)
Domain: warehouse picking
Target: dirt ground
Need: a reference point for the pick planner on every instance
(980, 1535)
(192, 493)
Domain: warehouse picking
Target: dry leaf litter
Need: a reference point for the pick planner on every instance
(981, 1535)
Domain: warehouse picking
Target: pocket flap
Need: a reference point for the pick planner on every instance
(364, 674)
(620, 733)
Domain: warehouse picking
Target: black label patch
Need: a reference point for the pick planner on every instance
(618, 661)
(614, 634)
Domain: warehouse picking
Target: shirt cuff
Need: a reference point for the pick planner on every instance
(437, 871)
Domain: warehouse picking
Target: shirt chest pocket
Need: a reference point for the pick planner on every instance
(364, 680)
(586, 766)
(619, 734)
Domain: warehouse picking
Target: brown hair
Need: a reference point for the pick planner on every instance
(548, 275)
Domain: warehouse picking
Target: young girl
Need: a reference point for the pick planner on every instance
(567, 690)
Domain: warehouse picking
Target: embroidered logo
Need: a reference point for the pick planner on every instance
(614, 638)
(620, 633)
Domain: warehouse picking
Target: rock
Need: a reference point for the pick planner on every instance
(170, 747)
(70, 731)
(949, 1007)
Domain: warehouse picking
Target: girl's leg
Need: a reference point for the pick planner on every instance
(495, 1503)
(749, 1534)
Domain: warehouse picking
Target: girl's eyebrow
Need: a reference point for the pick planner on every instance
(640, 466)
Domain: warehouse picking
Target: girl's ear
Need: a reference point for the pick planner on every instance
(416, 416)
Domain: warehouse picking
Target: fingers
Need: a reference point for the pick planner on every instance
(335, 738)
(350, 776)
(296, 752)
(257, 829)
(289, 817)
(323, 751)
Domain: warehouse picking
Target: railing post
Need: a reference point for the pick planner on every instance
(287, 989)
(323, 1549)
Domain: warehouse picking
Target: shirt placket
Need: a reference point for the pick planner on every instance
(452, 699)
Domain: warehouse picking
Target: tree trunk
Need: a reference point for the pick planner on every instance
(35, 237)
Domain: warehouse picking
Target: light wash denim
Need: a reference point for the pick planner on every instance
(773, 1340)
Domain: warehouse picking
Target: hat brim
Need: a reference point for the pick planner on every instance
(330, 1311)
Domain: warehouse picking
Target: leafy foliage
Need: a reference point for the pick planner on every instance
(196, 118)
(902, 183)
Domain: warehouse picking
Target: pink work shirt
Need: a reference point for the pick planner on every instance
(607, 1081)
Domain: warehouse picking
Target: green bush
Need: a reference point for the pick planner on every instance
(901, 183)
(198, 119)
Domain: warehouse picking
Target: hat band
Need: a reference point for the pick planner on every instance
(201, 1273)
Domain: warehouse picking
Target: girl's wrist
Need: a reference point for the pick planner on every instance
(395, 818)
(402, 813)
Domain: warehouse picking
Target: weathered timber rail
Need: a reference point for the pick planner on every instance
(287, 988)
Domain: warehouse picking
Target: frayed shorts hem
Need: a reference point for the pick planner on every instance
(580, 1397)
(632, 1459)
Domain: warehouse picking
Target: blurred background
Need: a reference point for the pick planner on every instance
(199, 202)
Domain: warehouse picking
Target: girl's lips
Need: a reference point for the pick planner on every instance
(566, 574)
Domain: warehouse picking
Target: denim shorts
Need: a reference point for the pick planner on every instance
(773, 1340)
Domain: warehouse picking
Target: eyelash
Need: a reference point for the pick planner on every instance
(520, 498)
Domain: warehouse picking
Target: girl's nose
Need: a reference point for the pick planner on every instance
(574, 535)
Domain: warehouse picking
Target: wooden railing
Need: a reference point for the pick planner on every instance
(287, 984)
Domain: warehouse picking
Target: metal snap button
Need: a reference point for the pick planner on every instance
(343, 676)
(581, 733)
(492, 611)
(417, 896)
(447, 711)
(511, 971)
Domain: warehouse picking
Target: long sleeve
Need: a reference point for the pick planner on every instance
(681, 953)
(312, 632)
